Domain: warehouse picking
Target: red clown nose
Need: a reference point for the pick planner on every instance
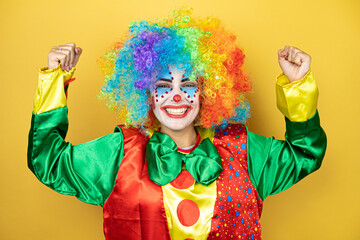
(177, 98)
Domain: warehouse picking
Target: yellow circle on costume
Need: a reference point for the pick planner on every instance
(219, 192)
(217, 234)
(237, 189)
(225, 225)
(255, 229)
(244, 211)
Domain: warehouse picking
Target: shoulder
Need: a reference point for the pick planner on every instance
(132, 135)
(231, 143)
(231, 131)
(232, 137)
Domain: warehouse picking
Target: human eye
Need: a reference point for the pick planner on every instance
(189, 85)
(162, 85)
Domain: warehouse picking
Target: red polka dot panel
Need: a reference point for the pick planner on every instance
(238, 207)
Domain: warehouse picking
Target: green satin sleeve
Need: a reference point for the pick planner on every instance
(87, 171)
(276, 165)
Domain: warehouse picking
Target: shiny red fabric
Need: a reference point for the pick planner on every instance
(135, 208)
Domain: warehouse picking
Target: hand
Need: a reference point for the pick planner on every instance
(294, 63)
(67, 54)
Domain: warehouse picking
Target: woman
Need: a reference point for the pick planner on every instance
(180, 166)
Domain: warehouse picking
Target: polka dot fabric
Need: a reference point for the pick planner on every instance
(238, 207)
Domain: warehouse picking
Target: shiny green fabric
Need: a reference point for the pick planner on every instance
(165, 162)
(276, 165)
(87, 170)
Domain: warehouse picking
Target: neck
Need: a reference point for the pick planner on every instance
(183, 138)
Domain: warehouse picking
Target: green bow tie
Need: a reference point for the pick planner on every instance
(164, 161)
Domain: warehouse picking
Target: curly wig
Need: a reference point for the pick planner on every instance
(202, 46)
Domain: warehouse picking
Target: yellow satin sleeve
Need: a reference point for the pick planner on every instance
(50, 93)
(297, 100)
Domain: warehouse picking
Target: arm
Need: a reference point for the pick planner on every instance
(276, 165)
(87, 171)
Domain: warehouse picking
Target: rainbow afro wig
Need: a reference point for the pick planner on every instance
(202, 46)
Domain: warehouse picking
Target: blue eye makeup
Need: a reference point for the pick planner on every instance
(162, 89)
(190, 90)
(165, 86)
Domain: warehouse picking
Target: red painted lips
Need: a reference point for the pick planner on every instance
(176, 111)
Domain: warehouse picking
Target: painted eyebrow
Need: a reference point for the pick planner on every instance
(187, 79)
(170, 81)
(165, 80)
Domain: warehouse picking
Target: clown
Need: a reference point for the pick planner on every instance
(181, 165)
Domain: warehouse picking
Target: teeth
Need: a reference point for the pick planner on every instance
(176, 111)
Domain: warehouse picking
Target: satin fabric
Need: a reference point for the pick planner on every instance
(276, 165)
(50, 92)
(203, 196)
(135, 208)
(297, 100)
(238, 207)
(87, 171)
(164, 161)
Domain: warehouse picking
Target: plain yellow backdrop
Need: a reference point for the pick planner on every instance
(325, 205)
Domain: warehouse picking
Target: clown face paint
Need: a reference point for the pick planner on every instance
(176, 99)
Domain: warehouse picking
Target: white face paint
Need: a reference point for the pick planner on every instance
(176, 99)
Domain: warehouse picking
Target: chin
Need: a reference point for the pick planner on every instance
(177, 126)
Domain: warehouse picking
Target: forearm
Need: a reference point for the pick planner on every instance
(50, 93)
(297, 100)
(276, 165)
(88, 170)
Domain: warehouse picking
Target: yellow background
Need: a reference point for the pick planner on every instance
(325, 205)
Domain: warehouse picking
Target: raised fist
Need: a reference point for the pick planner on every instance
(294, 63)
(67, 54)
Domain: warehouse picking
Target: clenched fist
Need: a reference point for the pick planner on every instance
(67, 54)
(294, 63)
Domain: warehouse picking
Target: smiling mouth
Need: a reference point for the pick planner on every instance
(176, 111)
